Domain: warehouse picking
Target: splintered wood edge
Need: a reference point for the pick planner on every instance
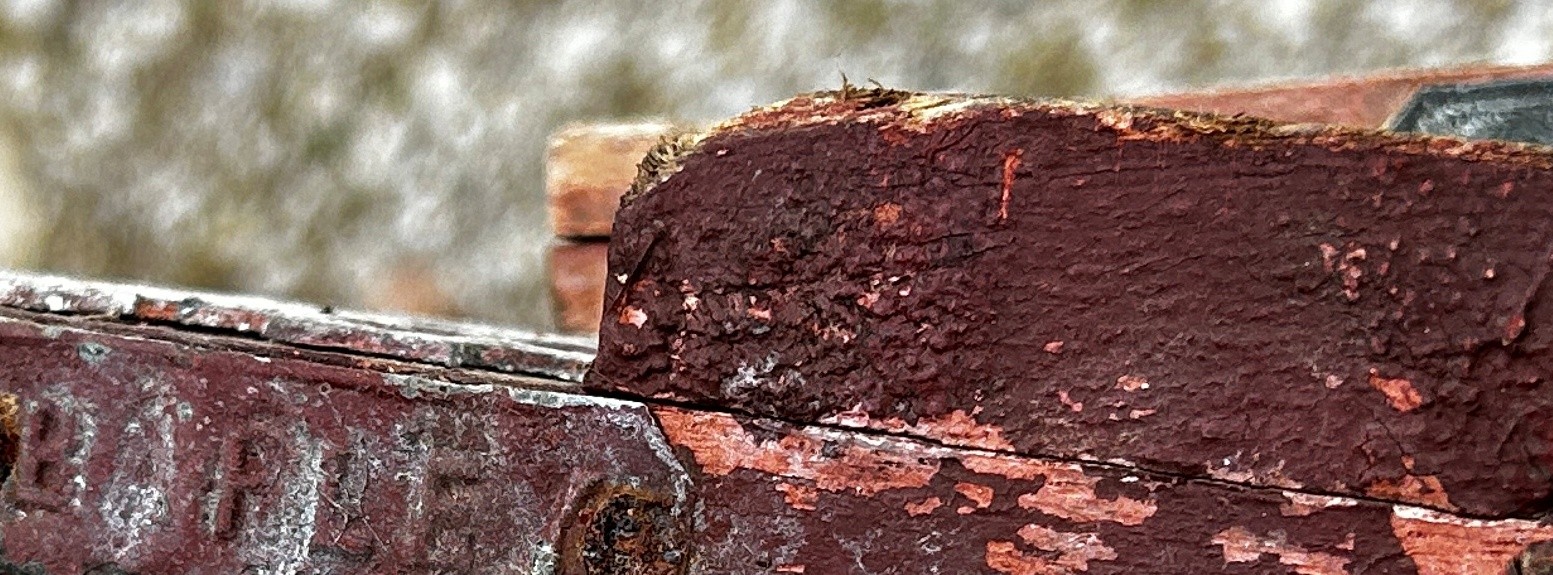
(922, 112)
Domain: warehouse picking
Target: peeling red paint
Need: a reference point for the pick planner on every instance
(1053, 347)
(970, 315)
(1067, 491)
(1010, 165)
(886, 213)
(923, 507)
(633, 316)
(955, 428)
(1399, 392)
(1076, 406)
(1242, 546)
(1440, 544)
(721, 445)
(1302, 504)
(1005, 557)
(1131, 383)
(799, 496)
(981, 495)
(1411, 487)
(1075, 550)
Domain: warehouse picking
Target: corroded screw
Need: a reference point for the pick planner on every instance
(1536, 559)
(622, 530)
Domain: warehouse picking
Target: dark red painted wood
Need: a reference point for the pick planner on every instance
(148, 449)
(1337, 311)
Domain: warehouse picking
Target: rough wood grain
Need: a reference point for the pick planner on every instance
(1321, 309)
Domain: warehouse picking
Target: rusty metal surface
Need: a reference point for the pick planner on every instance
(133, 448)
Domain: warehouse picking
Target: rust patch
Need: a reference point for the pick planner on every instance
(1440, 544)
(923, 507)
(1242, 546)
(720, 445)
(981, 495)
(1399, 392)
(1413, 488)
(1067, 492)
(620, 530)
(799, 496)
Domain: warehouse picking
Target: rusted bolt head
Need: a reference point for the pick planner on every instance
(620, 530)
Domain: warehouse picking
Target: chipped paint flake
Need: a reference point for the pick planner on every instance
(923, 507)
(1075, 550)
(721, 445)
(954, 428)
(799, 496)
(633, 316)
(1131, 383)
(1066, 492)
(1303, 504)
(1414, 488)
(980, 495)
(1399, 392)
(1240, 545)
(1440, 544)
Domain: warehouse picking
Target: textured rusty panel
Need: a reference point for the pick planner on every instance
(1366, 101)
(441, 343)
(588, 167)
(161, 458)
(577, 271)
(1340, 311)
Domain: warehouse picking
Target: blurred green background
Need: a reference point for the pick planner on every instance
(387, 154)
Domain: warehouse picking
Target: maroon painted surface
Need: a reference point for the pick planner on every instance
(153, 451)
(163, 458)
(1334, 311)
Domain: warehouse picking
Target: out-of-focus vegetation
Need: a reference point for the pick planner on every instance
(388, 153)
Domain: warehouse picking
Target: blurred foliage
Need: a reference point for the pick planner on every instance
(387, 153)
